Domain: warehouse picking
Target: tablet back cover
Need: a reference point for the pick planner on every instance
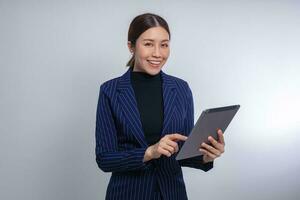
(207, 124)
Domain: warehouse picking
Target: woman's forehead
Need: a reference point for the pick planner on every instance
(155, 34)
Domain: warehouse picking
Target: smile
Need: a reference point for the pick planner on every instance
(154, 62)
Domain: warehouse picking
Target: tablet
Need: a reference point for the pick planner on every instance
(207, 124)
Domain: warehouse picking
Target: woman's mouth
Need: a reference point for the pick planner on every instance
(154, 63)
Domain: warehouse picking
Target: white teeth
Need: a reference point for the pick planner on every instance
(154, 62)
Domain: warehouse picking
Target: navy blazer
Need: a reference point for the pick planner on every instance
(121, 144)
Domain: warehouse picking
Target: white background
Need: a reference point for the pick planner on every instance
(55, 54)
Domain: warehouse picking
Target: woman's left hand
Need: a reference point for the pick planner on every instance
(216, 149)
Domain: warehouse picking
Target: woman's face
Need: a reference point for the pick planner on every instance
(151, 50)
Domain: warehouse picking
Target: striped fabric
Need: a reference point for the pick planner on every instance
(121, 144)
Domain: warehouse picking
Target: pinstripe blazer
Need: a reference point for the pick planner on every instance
(121, 144)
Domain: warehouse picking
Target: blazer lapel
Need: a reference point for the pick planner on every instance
(169, 95)
(129, 105)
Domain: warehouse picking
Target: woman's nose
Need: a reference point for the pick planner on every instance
(156, 52)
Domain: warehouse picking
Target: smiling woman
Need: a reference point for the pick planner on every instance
(149, 43)
(143, 118)
(151, 50)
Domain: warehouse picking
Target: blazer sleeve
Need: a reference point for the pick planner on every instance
(108, 158)
(197, 161)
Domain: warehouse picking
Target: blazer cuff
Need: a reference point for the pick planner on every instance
(123, 161)
(140, 155)
(197, 163)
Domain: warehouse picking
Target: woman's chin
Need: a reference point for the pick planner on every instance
(153, 71)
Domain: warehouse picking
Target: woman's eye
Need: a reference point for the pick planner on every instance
(148, 44)
(165, 45)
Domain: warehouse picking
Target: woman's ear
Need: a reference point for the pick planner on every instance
(130, 47)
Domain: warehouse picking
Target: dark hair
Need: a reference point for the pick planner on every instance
(140, 24)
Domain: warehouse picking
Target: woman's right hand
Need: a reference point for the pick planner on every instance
(167, 146)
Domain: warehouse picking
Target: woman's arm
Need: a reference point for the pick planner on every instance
(108, 158)
(195, 162)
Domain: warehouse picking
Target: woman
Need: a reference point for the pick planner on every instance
(143, 118)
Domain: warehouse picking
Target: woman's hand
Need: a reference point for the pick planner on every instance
(211, 152)
(167, 146)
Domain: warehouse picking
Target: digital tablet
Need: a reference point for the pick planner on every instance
(207, 124)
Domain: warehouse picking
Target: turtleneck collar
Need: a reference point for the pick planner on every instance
(145, 77)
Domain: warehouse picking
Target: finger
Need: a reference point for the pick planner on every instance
(215, 144)
(211, 155)
(163, 151)
(221, 137)
(210, 149)
(173, 144)
(168, 148)
(176, 137)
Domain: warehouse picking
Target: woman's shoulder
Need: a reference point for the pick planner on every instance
(113, 82)
(180, 82)
(109, 86)
(109, 83)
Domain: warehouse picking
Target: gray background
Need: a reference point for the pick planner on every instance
(55, 54)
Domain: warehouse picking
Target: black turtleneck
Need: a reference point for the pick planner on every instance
(148, 94)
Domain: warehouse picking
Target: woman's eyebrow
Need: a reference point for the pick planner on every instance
(166, 40)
